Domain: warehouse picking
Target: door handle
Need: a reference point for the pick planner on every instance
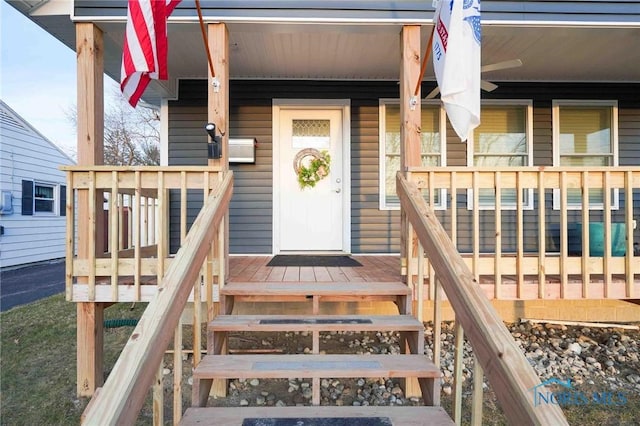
(338, 190)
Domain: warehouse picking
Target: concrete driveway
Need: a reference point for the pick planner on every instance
(30, 283)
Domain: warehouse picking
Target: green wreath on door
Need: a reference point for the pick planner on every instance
(311, 166)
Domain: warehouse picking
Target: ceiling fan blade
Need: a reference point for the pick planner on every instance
(487, 86)
(433, 93)
(513, 63)
(484, 85)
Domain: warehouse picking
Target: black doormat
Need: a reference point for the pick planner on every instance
(297, 260)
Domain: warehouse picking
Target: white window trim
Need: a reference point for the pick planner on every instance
(528, 103)
(555, 115)
(382, 102)
(55, 201)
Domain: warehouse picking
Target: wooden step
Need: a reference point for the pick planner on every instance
(410, 328)
(325, 415)
(317, 292)
(315, 322)
(314, 367)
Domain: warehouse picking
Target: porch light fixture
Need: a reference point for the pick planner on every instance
(214, 147)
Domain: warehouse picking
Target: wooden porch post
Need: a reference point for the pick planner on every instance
(410, 115)
(218, 110)
(218, 104)
(410, 122)
(218, 113)
(90, 120)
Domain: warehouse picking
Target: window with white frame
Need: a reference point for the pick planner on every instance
(503, 139)
(42, 198)
(432, 150)
(585, 134)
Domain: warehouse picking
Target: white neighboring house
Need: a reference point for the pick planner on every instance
(32, 193)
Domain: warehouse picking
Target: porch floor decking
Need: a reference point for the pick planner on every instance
(373, 269)
(386, 268)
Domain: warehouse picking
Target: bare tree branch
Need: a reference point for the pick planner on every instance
(131, 136)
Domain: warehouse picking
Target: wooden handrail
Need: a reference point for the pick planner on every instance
(510, 375)
(123, 394)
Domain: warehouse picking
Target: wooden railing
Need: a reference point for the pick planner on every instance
(509, 373)
(127, 227)
(522, 230)
(139, 365)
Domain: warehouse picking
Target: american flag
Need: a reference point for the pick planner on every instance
(144, 55)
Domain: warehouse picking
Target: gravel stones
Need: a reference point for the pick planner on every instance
(605, 357)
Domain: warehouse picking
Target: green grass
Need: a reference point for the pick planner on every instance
(38, 361)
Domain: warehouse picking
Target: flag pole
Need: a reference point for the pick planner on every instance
(206, 41)
(427, 54)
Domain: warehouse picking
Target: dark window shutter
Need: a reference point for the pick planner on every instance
(63, 200)
(27, 198)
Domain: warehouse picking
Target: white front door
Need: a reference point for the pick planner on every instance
(311, 217)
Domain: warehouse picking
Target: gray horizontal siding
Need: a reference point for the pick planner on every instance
(407, 10)
(375, 230)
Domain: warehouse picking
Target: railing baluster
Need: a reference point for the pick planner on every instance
(177, 373)
(130, 229)
(454, 208)
(157, 391)
(586, 261)
(563, 235)
(497, 272)
(437, 323)
(222, 258)
(114, 231)
(152, 218)
(519, 234)
(410, 262)
(457, 373)
(476, 227)
(542, 235)
(183, 206)
(478, 392)
(121, 235)
(92, 236)
(628, 203)
(162, 240)
(420, 283)
(137, 234)
(431, 272)
(607, 234)
(144, 221)
(197, 318)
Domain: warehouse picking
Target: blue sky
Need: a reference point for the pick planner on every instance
(38, 77)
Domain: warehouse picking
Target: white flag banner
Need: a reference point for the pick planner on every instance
(456, 60)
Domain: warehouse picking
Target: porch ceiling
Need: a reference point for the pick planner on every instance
(372, 52)
(605, 53)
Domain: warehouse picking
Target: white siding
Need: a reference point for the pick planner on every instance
(27, 155)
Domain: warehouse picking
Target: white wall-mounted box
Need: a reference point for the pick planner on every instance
(242, 150)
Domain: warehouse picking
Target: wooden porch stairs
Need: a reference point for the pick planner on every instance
(411, 364)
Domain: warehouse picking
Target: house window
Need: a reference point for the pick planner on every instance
(503, 139)
(432, 150)
(585, 134)
(43, 198)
